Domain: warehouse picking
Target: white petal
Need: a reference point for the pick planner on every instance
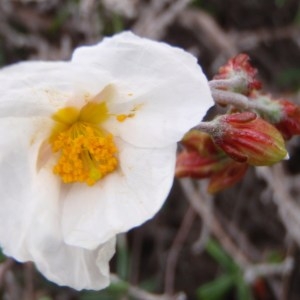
(30, 212)
(165, 83)
(41, 88)
(62, 263)
(122, 200)
(19, 148)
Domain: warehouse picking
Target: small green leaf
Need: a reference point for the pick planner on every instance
(216, 289)
(123, 260)
(289, 78)
(114, 291)
(279, 3)
(243, 290)
(275, 257)
(2, 256)
(297, 17)
(59, 20)
(117, 23)
(215, 251)
(150, 284)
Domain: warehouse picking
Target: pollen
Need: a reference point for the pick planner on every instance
(131, 114)
(87, 153)
(123, 117)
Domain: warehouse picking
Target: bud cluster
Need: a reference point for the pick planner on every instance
(239, 68)
(202, 158)
(252, 132)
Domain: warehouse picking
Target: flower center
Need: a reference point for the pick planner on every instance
(87, 152)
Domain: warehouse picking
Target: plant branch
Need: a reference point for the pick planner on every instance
(216, 228)
(141, 294)
(231, 83)
(175, 249)
(237, 100)
(264, 270)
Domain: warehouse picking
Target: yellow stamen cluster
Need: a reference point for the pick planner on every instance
(87, 153)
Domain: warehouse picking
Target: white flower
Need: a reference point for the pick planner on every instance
(122, 105)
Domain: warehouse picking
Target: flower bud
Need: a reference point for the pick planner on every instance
(231, 173)
(289, 123)
(283, 114)
(192, 164)
(247, 138)
(202, 143)
(239, 66)
(201, 158)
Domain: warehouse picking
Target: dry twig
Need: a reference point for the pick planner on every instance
(289, 211)
(207, 31)
(154, 20)
(140, 294)
(263, 270)
(251, 271)
(4, 267)
(216, 228)
(174, 251)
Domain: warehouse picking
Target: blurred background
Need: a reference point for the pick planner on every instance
(242, 243)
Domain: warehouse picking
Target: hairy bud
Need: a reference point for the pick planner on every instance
(249, 139)
(240, 67)
(201, 158)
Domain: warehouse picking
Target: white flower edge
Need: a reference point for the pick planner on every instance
(31, 92)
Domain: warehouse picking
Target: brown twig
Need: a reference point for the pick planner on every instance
(136, 253)
(207, 31)
(140, 294)
(247, 40)
(224, 44)
(264, 270)
(240, 238)
(251, 271)
(175, 249)
(29, 282)
(154, 20)
(291, 250)
(216, 228)
(12, 287)
(4, 267)
(289, 211)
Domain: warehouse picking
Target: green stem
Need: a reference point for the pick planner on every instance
(239, 101)
(231, 83)
(230, 98)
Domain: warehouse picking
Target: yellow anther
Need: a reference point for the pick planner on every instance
(121, 118)
(131, 114)
(87, 153)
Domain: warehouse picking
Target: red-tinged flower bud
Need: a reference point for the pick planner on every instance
(231, 173)
(201, 158)
(239, 66)
(283, 114)
(190, 163)
(247, 138)
(201, 142)
(289, 123)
